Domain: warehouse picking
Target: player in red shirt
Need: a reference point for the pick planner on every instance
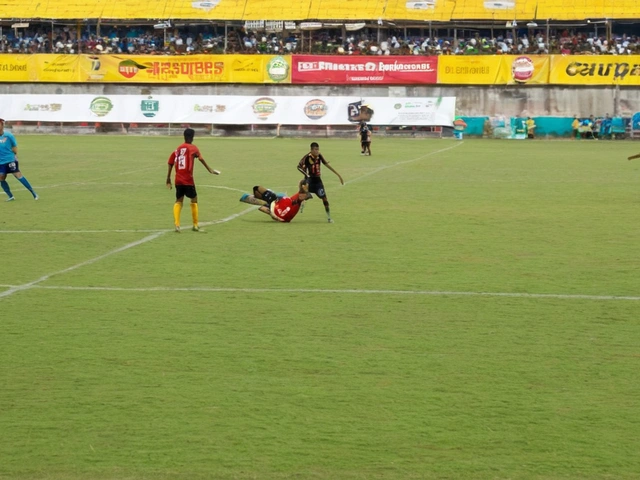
(281, 209)
(183, 158)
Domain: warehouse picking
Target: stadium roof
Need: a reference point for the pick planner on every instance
(300, 10)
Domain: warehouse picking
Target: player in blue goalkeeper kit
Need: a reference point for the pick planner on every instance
(9, 163)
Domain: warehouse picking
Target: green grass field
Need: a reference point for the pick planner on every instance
(473, 313)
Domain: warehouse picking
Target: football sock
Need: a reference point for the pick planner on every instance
(326, 208)
(5, 187)
(27, 185)
(177, 208)
(194, 214)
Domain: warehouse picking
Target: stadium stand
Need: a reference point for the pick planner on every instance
(300, 10)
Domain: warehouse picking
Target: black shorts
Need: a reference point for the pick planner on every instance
(316, 186)
(11, 167)
(188, 191)
(269, 197)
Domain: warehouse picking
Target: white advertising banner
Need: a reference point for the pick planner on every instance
(227, 109)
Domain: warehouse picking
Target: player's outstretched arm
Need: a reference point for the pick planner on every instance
(339, 176)
(209, 169)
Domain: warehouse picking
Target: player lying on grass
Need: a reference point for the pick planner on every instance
(280, 208)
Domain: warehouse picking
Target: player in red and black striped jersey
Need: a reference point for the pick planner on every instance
(183, 158)
(309, 166)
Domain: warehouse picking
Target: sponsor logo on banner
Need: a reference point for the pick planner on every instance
(615, 70)
(522, 69)
(12, 67)
(101, 106)
(315, 109)
(206, 6)
(197, 70)
(369, 66)
(358, 112)
(91, 66)
(278, 69)
(246, 64)
(414, 104)
(63, 64)
(149, 107)
(209, 108)
(129, 68)
(49, 107)
(364, 70)
(264, 107)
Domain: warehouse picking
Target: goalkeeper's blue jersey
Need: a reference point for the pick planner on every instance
(7, 142)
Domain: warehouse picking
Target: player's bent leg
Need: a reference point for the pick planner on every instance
(23, 180)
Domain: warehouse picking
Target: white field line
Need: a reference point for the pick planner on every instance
(148, 238)
(404, 162)
(136, 184)
(347, 291)
(29, 285)
(82, 231)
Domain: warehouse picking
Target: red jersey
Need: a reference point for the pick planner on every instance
(284, 208)
(183, 159)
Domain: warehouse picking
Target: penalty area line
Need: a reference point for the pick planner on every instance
(434, 293)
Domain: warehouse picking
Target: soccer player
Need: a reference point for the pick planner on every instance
(280, 208)
(309, 166)
(184, 158)
(365, 139)
(9, 163)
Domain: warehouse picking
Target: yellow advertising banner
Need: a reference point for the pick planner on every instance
(595, 70)
(145, 68)
(469, 69)
(493, 69)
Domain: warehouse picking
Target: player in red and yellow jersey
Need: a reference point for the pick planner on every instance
(183, 159)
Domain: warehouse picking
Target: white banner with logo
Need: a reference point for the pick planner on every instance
(227, 109)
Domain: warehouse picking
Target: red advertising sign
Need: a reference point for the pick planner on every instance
(364, 70)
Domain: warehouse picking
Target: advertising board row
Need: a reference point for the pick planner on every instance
(324, 69)
(229, 109)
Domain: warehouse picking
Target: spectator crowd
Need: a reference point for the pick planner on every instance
(368, 41)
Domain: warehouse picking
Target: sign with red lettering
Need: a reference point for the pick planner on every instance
(364, 70)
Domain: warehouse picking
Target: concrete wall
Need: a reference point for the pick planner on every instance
(555, 101)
